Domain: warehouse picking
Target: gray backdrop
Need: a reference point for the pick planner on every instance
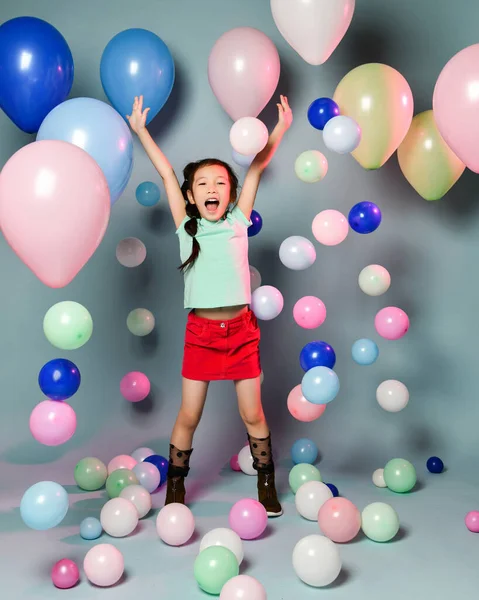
(430, 249)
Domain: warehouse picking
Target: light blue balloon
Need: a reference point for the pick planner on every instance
(44, 505)
(137, 62)
(148, 193)
(90, 528)
(148, 475)
(98, 129)
(320, 385)
(242, 160)
(304, 451)
(365, 352)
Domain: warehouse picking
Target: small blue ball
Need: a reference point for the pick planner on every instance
(365, 352)
(320, 111)
(317, 354)
(148, 193)
(304, 451)
(256, 223)
(334, 489)
(90, 528)
(364, 217)
(435, 465)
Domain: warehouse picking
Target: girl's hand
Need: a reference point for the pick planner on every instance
(137, 119)
(285, 114)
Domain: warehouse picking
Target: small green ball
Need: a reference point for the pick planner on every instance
(400, 475)
(90, 474)
(214, 566)
(67, 325)
(118, 480)
(380, 522)
(302, 473)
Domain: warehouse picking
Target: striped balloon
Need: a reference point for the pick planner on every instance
(426, 161)
(380, 100)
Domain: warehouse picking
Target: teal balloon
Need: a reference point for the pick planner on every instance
(44, 505)
(148, 193)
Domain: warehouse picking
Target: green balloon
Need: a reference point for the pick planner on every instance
(380, 522)
(67, 325)
(214, 566)
(400, 475)
(140, 322)
(311, 166)
(119, 480)
(90, 474)
(303, 473)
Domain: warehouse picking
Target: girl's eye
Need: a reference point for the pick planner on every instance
(202, 183)
(221, 183)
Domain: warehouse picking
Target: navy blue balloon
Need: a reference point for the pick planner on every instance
(317, 354)
(320, 111)
(59, 379)
(161, 463)
(256, 224)
(364, 217)
(334, 489)
(435, 465)
(36, 67)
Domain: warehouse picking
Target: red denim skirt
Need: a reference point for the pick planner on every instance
(222, 349)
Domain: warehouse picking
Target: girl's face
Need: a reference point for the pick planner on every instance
(211, 192)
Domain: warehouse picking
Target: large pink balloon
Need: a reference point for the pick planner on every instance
(54, 208)
(301, 409)
(339, 520)
(243, 71)
(455, 105)
(52, 423)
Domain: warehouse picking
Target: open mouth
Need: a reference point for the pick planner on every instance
(211, 205)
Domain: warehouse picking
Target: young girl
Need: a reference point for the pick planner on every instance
(222, 334)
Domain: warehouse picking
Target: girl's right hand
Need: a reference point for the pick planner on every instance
(137, 119)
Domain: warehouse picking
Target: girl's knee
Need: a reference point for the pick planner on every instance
(189, 419)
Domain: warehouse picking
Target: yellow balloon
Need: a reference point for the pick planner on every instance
(380, 100)
(426, 161)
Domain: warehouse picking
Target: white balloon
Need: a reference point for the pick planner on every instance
(141, 453)
(316, 560)
(313, 27)
(131, 252)
(139, 497)
(248, 135)
(378, 478)
(222, 536)
(255, 278)
(267, 302)
(392, 395)
(245, 461)
(243, 587)
(310, 497)
(119, 517)
(297, 253)
(341, 134)
(241, 160)
(374, 280)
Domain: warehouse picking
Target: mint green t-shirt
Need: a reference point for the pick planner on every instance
(220, 275)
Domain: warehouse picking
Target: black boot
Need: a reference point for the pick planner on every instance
(177, 471)
(263, 464)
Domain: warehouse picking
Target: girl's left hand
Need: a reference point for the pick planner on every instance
(285, 114)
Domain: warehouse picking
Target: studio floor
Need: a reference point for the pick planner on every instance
(433, 555)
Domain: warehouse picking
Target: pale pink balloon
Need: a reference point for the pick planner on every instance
(175, 524)
(248, 136)
(54, 208)
(339, 520)
(330, 227)
(248, 518)
(243, 587)
(243, 71)
(309, 312)
(52, 423)
(301, 409)
(135, 386)
(391, 323)
(455, 105)
(234, 464)
(122, 461)
(103, 565)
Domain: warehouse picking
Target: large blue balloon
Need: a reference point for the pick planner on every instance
(256, 223)
(304, 450)
(36, 70)
(364, 217)
(317, 354)
(59, 379)
(320, 385)
(137, 62)
(320, 111)
(97, 128)
(44, 505)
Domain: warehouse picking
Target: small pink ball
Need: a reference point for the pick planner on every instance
(472, 521)
(391, 323)
(234, 464)
(248, 518)
(339, 520)
(65, 574)
(135, 386)
(309, 312)
(52, 423)
(301, 409)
